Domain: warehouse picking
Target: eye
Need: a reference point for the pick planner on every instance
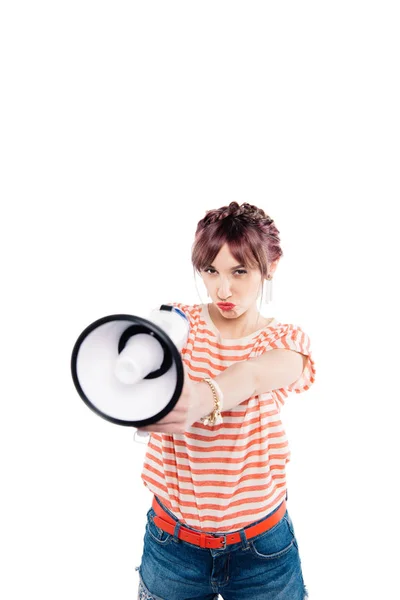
(241, 272)
(209, 270)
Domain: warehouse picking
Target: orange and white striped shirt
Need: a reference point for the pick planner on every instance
(221, 478)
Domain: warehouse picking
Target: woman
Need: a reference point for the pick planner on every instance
(216, 463)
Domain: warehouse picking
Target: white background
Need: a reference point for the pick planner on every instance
(121, 124)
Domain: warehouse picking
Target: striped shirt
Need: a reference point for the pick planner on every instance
(221, 478)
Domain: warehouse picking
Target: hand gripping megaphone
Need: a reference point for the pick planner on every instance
(128, 369)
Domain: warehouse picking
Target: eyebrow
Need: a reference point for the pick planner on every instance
(232, 269)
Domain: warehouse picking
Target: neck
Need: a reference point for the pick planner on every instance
(239, 327)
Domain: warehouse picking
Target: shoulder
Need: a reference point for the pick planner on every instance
(192, 311)
(285, 335)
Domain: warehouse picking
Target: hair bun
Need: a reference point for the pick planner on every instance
(245, 213)
(248, 213)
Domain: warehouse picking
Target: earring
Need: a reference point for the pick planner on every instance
(267, 292)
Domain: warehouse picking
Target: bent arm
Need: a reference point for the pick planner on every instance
(272, 370)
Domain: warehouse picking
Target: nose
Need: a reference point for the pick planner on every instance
(224, 290)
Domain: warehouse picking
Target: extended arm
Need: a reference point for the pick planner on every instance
(272, 370)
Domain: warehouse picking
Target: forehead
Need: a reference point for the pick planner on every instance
(225, 258)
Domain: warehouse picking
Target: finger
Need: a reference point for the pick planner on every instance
(162, 427)
(167, 430)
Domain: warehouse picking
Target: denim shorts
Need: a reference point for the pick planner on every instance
(265, 567)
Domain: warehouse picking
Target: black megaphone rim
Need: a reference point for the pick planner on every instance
(165, 341)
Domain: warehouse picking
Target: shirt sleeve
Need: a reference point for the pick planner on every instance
(187, 309)
(292, 337)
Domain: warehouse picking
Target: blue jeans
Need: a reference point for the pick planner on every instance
(266, 567)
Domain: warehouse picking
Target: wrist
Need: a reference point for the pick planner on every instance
(205, 400)
(214, 416)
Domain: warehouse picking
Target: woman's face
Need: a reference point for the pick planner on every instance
(232, 283)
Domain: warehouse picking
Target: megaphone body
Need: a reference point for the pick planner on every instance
(128, 369)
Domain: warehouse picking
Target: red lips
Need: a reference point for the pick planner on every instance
(225, 305)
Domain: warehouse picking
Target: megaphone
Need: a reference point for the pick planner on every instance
(128, 369)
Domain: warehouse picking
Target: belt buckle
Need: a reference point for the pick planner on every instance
(223, 538)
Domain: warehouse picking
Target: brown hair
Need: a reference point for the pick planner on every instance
(251, 235)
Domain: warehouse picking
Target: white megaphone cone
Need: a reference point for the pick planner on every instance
(128, 369)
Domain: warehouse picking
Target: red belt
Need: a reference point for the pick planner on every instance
(165, 522)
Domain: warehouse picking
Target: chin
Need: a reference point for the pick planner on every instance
(228, 314)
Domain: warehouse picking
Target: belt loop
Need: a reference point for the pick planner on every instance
(176, 531)
(245, 542)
